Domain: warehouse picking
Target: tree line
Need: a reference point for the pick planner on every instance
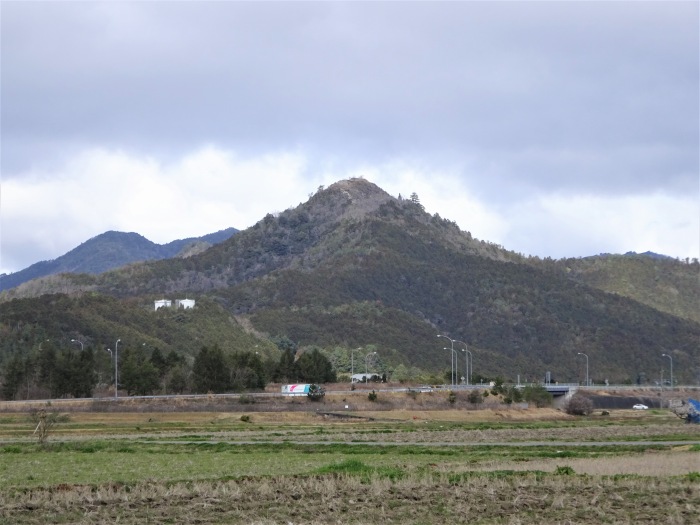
(56, 372)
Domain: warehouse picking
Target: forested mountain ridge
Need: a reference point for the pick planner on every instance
(299, 237)
(664, 283)
(111, 250)
(355, 267)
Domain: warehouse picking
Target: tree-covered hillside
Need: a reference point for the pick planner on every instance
(669, 285)
(355, 267)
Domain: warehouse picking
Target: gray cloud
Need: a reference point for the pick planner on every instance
(520, 98)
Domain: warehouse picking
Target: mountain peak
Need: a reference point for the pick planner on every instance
(110, 250)
(359, 188)
(350, 198)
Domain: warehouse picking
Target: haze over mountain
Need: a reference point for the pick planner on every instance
(356, 267)
(111, 250)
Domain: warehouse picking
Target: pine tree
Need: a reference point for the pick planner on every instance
(415, 200)
(210, 372)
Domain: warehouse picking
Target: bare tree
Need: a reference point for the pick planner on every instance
(45, 421)
(579, 405)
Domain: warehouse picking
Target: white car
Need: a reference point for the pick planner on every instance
(639, 406)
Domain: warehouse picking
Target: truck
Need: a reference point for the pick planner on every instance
(296, 390)
(313, 392)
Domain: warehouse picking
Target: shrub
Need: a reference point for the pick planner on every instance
(537, 395)
(246, 400)
(245, 418)
(475, 397)
(372, 396)
(451, 397)
(498, 387)
(579, 405)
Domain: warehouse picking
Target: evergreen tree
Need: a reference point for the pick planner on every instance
(47, 366)
(74, 373)
(65, 370)
(210, 373)
(176, 382)
(247, 371)
(314, 367)
(13, 377)
(84, 377)
(159, 361)
(287, 370)
(285, 344)
(138, 375)
(174, 359)
(415, 200)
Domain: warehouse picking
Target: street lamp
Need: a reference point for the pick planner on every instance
(116, 369)
(588, 382)
(453, 375)
(469, 362)
(367, 358)
(352, 362)
(79, 342)
(111, 355)
(453, 357)
(671, 360)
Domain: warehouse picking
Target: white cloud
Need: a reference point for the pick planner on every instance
(442, 191)
(579, 225)
(47, 213)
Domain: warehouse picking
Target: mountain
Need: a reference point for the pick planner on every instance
(111, 250)
(354, 267)
(659, 281)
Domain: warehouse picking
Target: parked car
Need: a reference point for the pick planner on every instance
(639, 406)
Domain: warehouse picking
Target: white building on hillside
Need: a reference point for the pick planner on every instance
(179, 303)
(184, 303)
(167, 303)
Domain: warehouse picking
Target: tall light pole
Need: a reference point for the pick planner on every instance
(671, 360)
(111, 355)
(352, 362)
(452, 357)
(471, 367)
(116, 369)
(453, 374)
(469, 362)
(588, 382)
(366, 359)
(79, 342)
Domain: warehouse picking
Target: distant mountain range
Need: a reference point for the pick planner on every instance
(354, 267)
(111, 250)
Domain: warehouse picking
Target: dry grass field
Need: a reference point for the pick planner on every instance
(312, 465)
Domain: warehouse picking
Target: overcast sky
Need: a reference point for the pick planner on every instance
(558, 129)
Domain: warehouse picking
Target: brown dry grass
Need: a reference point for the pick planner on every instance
(414, 499)
(485, 415)
(651, 463)
(643, 487)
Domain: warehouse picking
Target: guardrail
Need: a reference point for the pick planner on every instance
(349, 391)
